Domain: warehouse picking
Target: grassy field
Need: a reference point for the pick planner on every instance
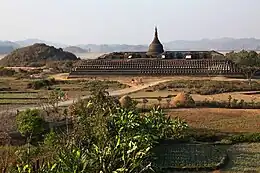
(224, 120)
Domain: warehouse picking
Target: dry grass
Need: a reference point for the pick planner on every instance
(224, 120)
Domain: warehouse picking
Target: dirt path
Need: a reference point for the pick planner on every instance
(60, 76)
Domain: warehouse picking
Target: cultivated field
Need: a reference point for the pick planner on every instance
(244, 157)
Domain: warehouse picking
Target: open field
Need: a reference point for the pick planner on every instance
(223, 120)
(244, 157)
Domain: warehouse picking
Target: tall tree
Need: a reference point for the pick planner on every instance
(249, 62)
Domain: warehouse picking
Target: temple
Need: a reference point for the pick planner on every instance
(156, 61)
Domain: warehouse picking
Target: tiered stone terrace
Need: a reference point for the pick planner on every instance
(155, 66)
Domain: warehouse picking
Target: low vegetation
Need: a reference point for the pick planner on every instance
(190, 156)
(185, 100)
(43, 83)
(105, 138)
(207, 87)
(6, 72)
(110, 84)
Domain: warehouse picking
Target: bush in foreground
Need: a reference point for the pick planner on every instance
(107, 138)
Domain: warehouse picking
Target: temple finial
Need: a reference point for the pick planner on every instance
(156, 32)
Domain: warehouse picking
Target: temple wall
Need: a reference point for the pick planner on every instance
(156, 67)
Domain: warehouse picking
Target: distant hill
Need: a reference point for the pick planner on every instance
(36, 55)
(222, 44)
(6, 49)
(30, 42)
(114, 47)
(7, 46)
(75, 49)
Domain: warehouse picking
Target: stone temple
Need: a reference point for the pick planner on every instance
(156, 61)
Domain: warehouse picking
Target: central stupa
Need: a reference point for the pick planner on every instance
(155, 48)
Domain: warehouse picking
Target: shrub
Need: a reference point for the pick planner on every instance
(6, 72)
(50, 139)
(234, 104)
(248, 137)
(30, 123)
(90, 85)
(43, 83)
(183, 100)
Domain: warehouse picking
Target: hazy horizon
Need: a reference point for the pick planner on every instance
(127, 22)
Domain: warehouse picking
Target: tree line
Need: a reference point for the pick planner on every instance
(247, 61)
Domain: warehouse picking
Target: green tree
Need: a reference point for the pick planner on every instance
(249, 62)
(30, 122)
(55, 96)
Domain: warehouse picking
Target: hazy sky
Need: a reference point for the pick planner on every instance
(127, 21)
